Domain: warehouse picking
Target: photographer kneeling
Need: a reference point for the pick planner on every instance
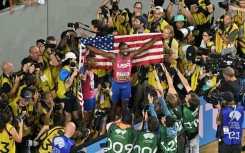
(230, 117)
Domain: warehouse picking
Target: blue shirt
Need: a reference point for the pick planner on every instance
(62, 144)
(64, 74)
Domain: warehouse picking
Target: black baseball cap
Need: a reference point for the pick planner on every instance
(227, 96)
(26, 94)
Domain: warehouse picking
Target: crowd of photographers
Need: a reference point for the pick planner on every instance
(201, 58)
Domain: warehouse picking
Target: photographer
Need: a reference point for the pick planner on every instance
(167, 131)
(240, 22)
(47, 49)
(106, 20)
(68, 143)
(190, 116)
(9, 84)
(227, 33)
(182, 11)
(121, 21)
(23, 109)
(120, 134)
(230, 83)
(27, 65)
(208, 40)
(141, 144)
(139, 26)
(157, 17)
(115, 7)
(45, 109)
(95, 28)
(230, 118)
(67, 85)
(42, 65)
(175, 108)
(169, 43)
(103, 98)
(8, 133)
(201, 11)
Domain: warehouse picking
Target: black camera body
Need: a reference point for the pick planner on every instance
(175, 1)
(75, 25)
(57, 102)
(218, 25)
(18, 73)
(151, 90)
(23, 117)
(104, 10)
(38, 65)
(103, 85)
(225, 5)
(214, 98)
(99, 114)
(50, 45)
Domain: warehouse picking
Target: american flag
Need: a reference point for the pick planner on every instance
(134, 42)
(81, 68)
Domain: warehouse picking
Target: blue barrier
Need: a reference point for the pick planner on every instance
(207, 127)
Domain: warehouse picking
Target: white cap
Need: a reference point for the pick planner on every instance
(159, 8)
(69, 55)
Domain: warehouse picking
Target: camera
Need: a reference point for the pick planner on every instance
(18, 74)
(104, 10)
(75, 25)
(218, 25)
(50, 45)
(38, 65)
(160, 73)
(146, 109)
(175, 1)
(19, 118)
(214, 98)
(99, 114)
(32, 143)
(73, 65)
(57, 102)
(202, 51)
(225, 5)
(103, 85)
(151, 90)
(158, 2)
(114, 5)
(154, 25)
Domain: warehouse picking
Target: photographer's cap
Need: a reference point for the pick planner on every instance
(27, 60)
(179, 18)
(227, 96)
(143, 20)
(159, 8)
(26, 94)
(69, 55)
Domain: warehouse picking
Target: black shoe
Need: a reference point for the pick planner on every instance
(243, 148)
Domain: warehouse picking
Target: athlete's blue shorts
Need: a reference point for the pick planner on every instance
(89, 104)
(121, 90)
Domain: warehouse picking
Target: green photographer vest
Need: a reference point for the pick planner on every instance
(190, 119)
(119, 140)
(146, 141)
(167, 144)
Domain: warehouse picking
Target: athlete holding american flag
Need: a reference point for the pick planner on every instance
(122, 64)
